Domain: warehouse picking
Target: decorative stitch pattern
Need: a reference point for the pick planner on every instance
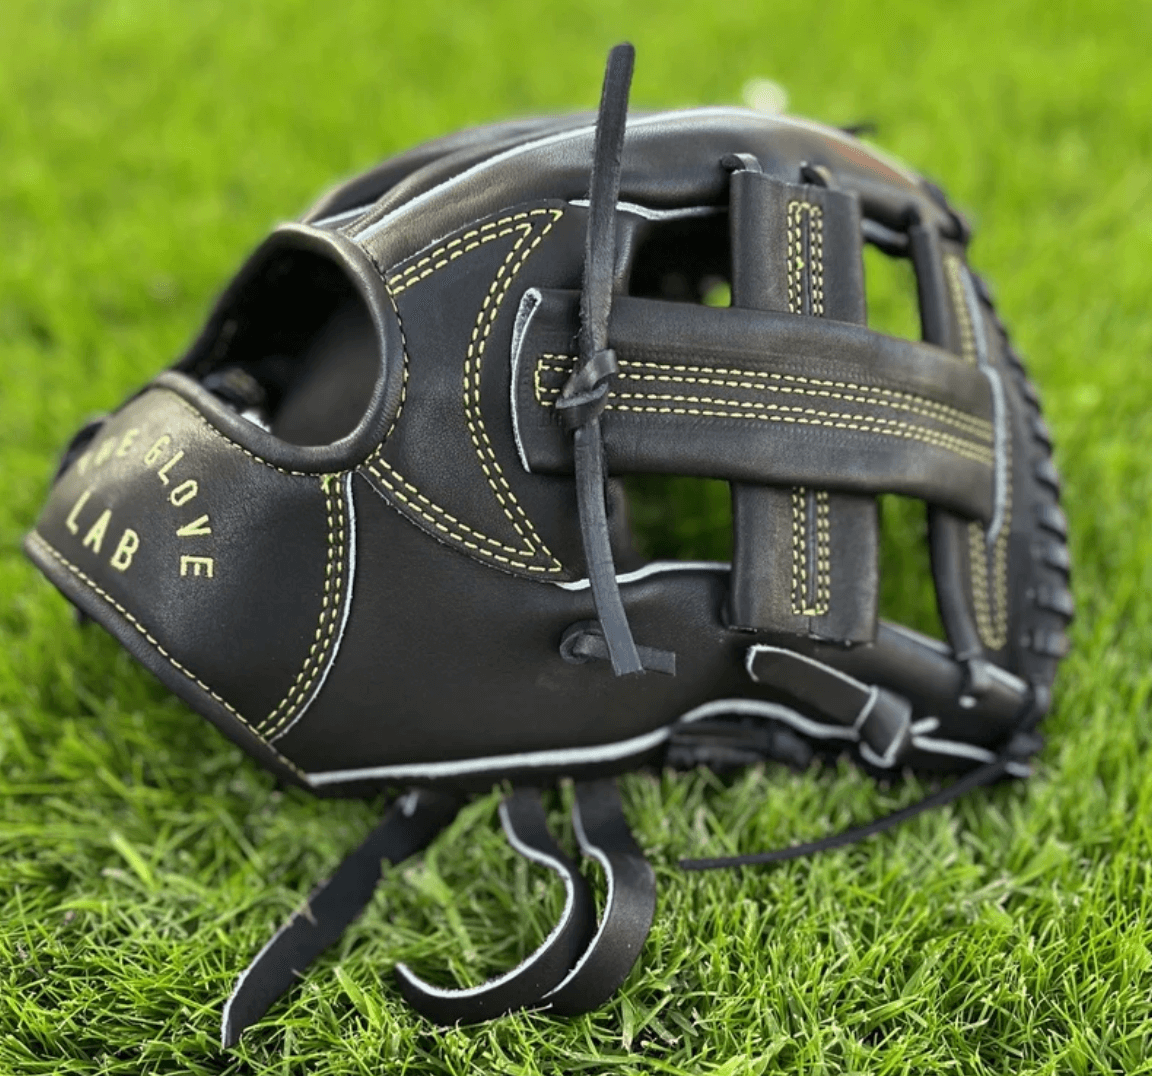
(92, 585)
(446, 523)
(470, 240)
(768, 381)
(991, 618)
(823, 553)
(988, 568)
(334, 572)
(720, 407)
(811, 591)
(472, 363)
(403, 371)
(532, 554)
(805, 264)
(798, 265)
(954, 272)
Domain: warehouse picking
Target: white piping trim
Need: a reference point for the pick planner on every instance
(529, 147)
(883, 761)
(529, 304)
(772, 710)
(348, 214)
(657, 567)
(338, 642)
(762, 648)
(225, 1018)
(640, 121)
(560, 757)
(951, 747)
(918, 637)
(657, 214)
(999, 409)
(575, 756)
(866, 709)
(537, 856)
(1009, 680)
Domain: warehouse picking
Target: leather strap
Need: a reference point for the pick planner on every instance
(804, 560)
(749, 395)
(522, 815)
(583, 396)
(571, 972)
(409, 826)
(881, 720)
(603, 833)
(1012, 762)
(584, 641)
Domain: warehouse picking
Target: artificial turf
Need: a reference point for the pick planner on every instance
(145, 147)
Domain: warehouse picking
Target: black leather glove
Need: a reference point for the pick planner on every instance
(370, 525)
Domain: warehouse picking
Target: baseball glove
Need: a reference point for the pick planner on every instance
(373, 524)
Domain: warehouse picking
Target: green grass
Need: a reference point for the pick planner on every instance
(145, 147)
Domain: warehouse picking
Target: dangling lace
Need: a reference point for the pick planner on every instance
(585, 394)
(1011, 762)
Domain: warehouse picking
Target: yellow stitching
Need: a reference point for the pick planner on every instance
(472, 365)
(796, 268)
(795, 256)
(954, 270)
(873, 390)
(966, 424)
(977, 553)
(455, 536)
(37, 537)
(800, 540)
(870, 423)
(799, 561)
(403, 371)
(991, 608)
(475, 424)
(534, 546)
(864, 425)
(394, 477)
(486, 234)
(991, 617)
(328, 618)
(228, 440)
(958, 444)
(546, 393)
(823, 553)
(781, 413)
(817, 226)
(955, 416)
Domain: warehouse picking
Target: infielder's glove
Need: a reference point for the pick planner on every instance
(372, 524)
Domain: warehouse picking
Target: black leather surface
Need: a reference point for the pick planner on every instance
(805, 560)
(630, 907)
(766, 397)
(394, 601)
(445, 680)
(183, 508)
(439, 198)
